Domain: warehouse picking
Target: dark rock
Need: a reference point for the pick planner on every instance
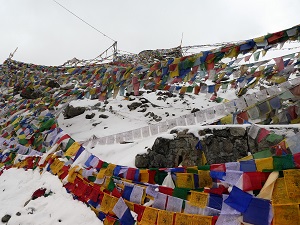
(70, 111)
(237, 131)
(103, 116)
(91, 116)
(167, 114)
(5, 218)
(141, 161)
(221, 133)
(142, 110)
(195, 110)
(159, 98)
(144, 100)
(173, 114)
(18, 214)
(105, 102)
(134, 105)
(30, 93)
(52, 84)
(105, 127)
(120, 106)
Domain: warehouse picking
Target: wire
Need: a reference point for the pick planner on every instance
(83, 21)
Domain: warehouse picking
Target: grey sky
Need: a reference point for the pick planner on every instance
(47, 34)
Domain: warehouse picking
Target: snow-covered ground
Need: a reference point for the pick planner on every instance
(16, 189)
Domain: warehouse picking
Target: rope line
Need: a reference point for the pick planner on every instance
(84, 21)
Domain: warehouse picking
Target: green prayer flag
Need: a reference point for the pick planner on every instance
(283, 162)
(262, 154)
(70, 142)
(181, 192)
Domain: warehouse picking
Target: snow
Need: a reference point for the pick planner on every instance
(17, 187)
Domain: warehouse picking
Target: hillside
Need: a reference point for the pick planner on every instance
(69, 137)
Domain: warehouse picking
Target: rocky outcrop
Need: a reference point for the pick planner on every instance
(70, 111)
(219, 145)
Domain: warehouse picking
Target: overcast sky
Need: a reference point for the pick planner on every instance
(47, 34)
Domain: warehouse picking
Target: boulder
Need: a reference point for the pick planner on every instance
(70, 111)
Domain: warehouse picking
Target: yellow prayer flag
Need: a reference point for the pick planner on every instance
(165, 217)
(129, 204)
(72, 174)
(280, 195)
(101, 173)
(264, 164)
(286, 215)
(110, 169)
(201, 220)
(199, 199)
(72, 150)
(108, 203)
(149, 216)
(246, 158)
(227, 119)
(183, 219)
(185, 180)
(292, 183)
(259, 39)
(56, 166)
(205, 179)
(144, 176)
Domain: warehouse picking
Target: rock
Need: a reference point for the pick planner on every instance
(91, 116)
(143, 110)
(195, 110)
(120, 105)
(95, 124)
(167, 114)
(134, 105)
(103, 116)
(18, 214)
(143, 100)
(30, 93)
(159, 98)
(52, 84)
(70, 111)
(237, 131)
(141, 161)
(5, 218)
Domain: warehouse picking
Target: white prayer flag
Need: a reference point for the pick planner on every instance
(160, 201)
(120, 208)
(171, 123)
(145, 131)
(261, 95)
(209, 113)
(230, 106)
(240, 103)
(273, 91)
(137, 133)
(154, 129)
(119, 138)
(137, 194)
(190, 118)
(128, 135)
(181, 121)
(110, 139)
(200, 117)
(250, 99)
(174, 204)
(220, 110)
(253, 131)
(102, 140)
(163, 127)
(191, 209)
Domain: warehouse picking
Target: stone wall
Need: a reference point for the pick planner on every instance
(227, 144)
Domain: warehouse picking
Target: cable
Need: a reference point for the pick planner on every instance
(83, 21)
